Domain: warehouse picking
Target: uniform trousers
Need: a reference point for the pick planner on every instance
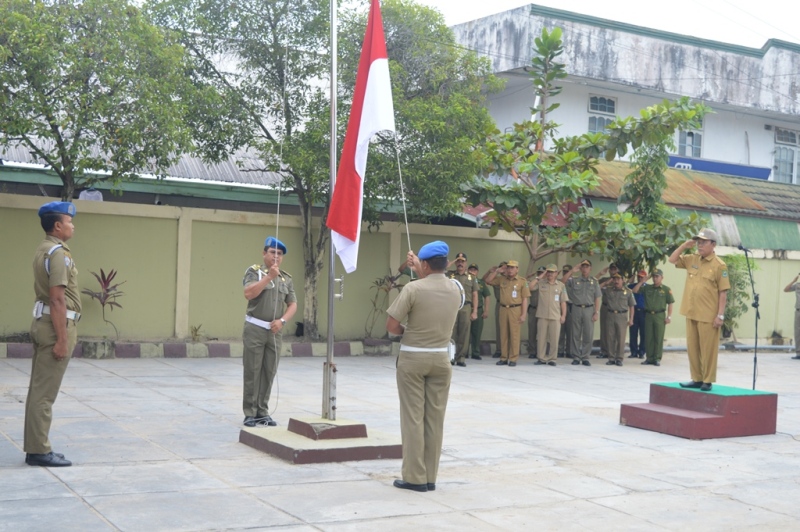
(654, 336)
(702, 342)
(532, 331)
(548, 335)
(461, 332)
(797, 331)
(582, 329)
(603, 330)
(497, 327)
(46, 375)
(565, 334)
(423, 385)
(475, 333)
(615, 334)
(510, 333)
(638, 337)
(260, 357)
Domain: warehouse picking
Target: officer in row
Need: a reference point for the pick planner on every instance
(584, 294)
(637, 336)
(619, 304)
(658, 302)
(468, 313)
(476, 329)
(533, 305)
(551, 313)
(513, 303)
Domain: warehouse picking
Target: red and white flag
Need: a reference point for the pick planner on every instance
(372, 111)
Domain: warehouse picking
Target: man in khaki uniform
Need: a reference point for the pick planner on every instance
(514, 296)
(476, 328)
(496, 290)
(619, 304)
(704, 300)
(271, 302)
(551, 314)
(533, 322)
(604, 282)
(430, 306)
(53, 330)
(794, 286)
(584, 295)
(468, 313)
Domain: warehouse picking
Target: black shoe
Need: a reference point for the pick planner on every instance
(265, 421)
(641, 356)
(576, 362)
(656, 363)
(569, 356)
(461, 364)
(586, 363)
(431, 486)
(796, 357)
(249, 421)
(496, 355)
(611, 363)
(403, 485)
(532, 356)
(476, 357)
(706, 387)
(512, 364)
(619, 362)
(539, 363)
(502, 363)
(633, 356)
(452, 362)
(647, 363)
(602, 355)
(47, 460)
(551, 363)
(691, 384)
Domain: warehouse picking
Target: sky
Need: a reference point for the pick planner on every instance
(747, 23)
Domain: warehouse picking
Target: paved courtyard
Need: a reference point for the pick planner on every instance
(155, 447)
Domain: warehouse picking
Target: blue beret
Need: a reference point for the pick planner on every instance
(436, 248)
(57, 207)
(272, 242)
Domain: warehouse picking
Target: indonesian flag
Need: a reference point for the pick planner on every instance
(372, 111)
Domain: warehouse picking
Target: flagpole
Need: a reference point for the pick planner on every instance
(329, 370)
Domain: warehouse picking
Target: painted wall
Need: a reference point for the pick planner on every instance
(183, 267)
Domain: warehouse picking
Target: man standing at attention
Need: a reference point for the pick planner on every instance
(430, 306)
(468, 313)
(513, 303)
(53, 331)
(551, 314)
(533, 305)
(266, 290)
(618, 302)
(658, 302)
(584, 294)
(476, 328)
(704, 300)
(794, 286)
(638, 335)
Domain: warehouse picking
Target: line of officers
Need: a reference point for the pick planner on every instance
(561, 312)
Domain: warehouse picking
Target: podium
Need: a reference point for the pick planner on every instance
(723, 412)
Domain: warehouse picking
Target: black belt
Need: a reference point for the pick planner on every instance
(656, 311)
(584, 306)
(512, 306)
(617, 311)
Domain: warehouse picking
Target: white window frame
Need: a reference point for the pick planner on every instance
(786, 156)
(601, 114)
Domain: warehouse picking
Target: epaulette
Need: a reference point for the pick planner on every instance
(469, 277)
(286, 274)
(719, 260)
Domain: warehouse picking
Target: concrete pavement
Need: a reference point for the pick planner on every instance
(154, 443)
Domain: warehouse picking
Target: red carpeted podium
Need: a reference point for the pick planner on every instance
(724, 412)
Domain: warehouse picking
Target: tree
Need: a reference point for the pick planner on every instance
(553, 183)
(279, 57)
(739, 294)
(92, 89)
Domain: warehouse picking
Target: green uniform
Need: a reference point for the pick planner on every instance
(262, 347)
(461, 328)
(618, 304)
(705, 279)
(584, 294)
(476, 329)
(47, 372)
(430, 306)
(656, 300)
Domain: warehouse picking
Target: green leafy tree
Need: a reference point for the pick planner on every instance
(740, 293)
(546, 184)
(276, 88)
(92, 89)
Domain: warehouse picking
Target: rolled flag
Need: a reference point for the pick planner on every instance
(372, 111)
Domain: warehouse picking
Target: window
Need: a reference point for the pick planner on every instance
(689, 143)
(599, 105)
(786, 166)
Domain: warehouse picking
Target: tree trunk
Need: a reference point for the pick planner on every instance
(313, 267)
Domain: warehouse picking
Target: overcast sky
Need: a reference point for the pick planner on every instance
(749, 23)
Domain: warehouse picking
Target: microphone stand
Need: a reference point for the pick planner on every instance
(755, 305)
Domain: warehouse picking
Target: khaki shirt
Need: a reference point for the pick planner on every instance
(550, 298)
(618, 300)
(431, 305)
(268, 305)
(656, 298)
(706, 278)
(583, 290)
(470, 284)
(796, 288)
(63, 272)
(511, 290)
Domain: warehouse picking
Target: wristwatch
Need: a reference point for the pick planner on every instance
(722, 317)
(283, 321)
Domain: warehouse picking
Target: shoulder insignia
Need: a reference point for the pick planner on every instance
(469, 276)
(254, 267)
(286, 274)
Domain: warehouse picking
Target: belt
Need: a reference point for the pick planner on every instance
(584, 306)
(656, 311)
(255, 321)
(512, 306)
(412, 349)
(71, 314)
(617, 311)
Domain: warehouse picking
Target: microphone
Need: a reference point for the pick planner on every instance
(744, 249)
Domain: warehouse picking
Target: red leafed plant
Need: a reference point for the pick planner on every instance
(108, 293)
